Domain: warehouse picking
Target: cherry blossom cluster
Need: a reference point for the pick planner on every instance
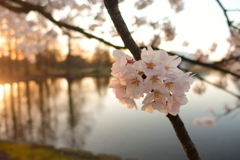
(177, 5)
(222, 83)
(26, 39)
(139, 21)
(235, 37)
(156, 77)
(156, 41)
(200, 56)
(234, 52)
(208, 121)
(141, 4)
(169, 31)
(199, 88)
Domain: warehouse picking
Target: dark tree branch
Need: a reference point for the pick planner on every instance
(112, 7)
(14, 8)
(182, 134)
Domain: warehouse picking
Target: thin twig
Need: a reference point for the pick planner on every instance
(226, 16)
(230, 92)
(226, 60)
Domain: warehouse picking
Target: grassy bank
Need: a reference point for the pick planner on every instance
(12, 151)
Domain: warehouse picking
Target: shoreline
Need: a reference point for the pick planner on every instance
(24, 151)
(41, 77)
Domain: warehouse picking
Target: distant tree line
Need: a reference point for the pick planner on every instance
(50, 62)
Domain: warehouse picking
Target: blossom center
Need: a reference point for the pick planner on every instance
(154, 79)
(170, 85)
(158, 96)
(150, 65)
(175, 100)
(135, 82)
(167, 67)
(130, 61)
(123, 87)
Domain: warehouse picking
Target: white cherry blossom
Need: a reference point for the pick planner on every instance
(197, 122)
(164, 83)
(170, 63)
(177, 5)
(140, 4)
(118, 89)
(180, 84)
(150, 63)
(152, 106)
(235, 68)
(169, 31)
(129, 102)
(178, 99)
(208, 121)
(133, 82)
(153, 82)
(122, 60)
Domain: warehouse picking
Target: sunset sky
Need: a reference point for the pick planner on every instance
(201, 23)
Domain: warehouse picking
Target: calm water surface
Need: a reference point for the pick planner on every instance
(84, 114)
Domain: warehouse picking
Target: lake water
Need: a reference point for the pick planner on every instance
(84, 114)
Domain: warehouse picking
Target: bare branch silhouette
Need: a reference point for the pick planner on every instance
(227, 18)
(25, 7)
(226, 60)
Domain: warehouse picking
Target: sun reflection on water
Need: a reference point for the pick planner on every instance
(1, 92)
(4, 89)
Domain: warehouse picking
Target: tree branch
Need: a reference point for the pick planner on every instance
(213, 84)
(209, 65)
(184, 138)
(26, 7)
(112, 7)
(230, 92)
(226, 16)
(14, 8)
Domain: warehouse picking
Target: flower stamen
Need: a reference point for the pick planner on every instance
(150, 65)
